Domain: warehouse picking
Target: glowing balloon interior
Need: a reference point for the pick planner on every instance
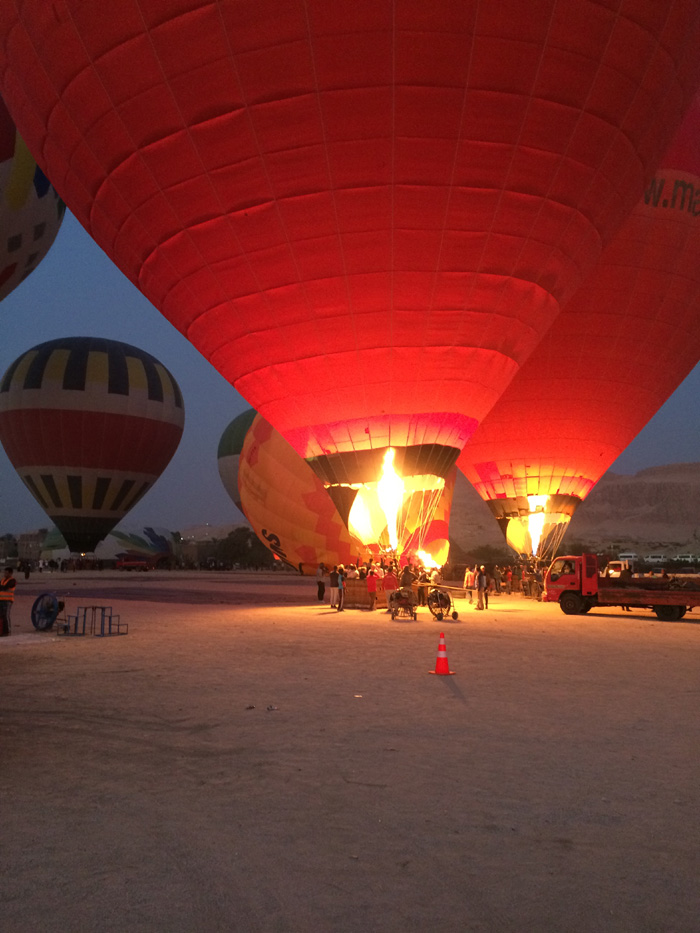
(293, 514)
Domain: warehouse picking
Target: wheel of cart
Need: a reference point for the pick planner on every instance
(440, 604)
(45, 611)
(403, 602)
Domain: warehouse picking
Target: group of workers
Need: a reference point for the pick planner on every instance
(384, 574)
(527, 579)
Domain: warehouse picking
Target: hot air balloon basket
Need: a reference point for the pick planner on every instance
(93, 620)
(403, 603)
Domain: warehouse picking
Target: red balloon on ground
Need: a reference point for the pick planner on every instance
(611, 359)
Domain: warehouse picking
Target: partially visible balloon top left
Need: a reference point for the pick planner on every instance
(31, 211)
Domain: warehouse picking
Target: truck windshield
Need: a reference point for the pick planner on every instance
(560, 567)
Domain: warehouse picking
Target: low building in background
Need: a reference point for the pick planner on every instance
(29, 545)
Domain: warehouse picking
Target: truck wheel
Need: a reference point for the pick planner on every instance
(669, 613)
(571, 604)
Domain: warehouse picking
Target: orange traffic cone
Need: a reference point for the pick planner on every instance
(441, 665)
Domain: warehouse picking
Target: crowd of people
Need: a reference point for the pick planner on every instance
(388, 575)
(526, 579)
(385, 574)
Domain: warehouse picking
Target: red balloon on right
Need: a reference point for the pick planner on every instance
(622, 345)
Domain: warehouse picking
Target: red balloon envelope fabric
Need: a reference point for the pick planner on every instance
(364, 214)
(89, 424)
(612, 358)
(31, 211)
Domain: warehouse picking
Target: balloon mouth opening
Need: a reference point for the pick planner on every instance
(386, 497)
(378, 514)
(535, 525)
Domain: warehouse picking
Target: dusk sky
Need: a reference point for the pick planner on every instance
(77, 291)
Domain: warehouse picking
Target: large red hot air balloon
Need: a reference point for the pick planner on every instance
(89, 424)
(364, 214)
(613, 356)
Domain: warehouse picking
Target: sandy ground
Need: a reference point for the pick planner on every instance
(147, 784)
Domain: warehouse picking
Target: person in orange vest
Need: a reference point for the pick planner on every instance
(7, 597)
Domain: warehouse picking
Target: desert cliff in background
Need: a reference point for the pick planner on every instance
(657, 506)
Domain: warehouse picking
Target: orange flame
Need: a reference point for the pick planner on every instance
(390, 490)
(536, 519)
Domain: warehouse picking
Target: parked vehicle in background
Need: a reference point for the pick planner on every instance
(628, 556)
(615, 567)
(656, 558)
(685, 558)
(575, 583)
(131, 563)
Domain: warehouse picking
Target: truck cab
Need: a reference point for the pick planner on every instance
(573, 583)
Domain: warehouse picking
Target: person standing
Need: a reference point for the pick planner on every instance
(371, 589)
(389, 585)
(538, 583)
(423, 582)
(320, 574)
(525, 581)
(509, 580)
(481, 584)
(407, 577)
(333, 580)
(469, 576)
(341, 587)
(7, 597)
